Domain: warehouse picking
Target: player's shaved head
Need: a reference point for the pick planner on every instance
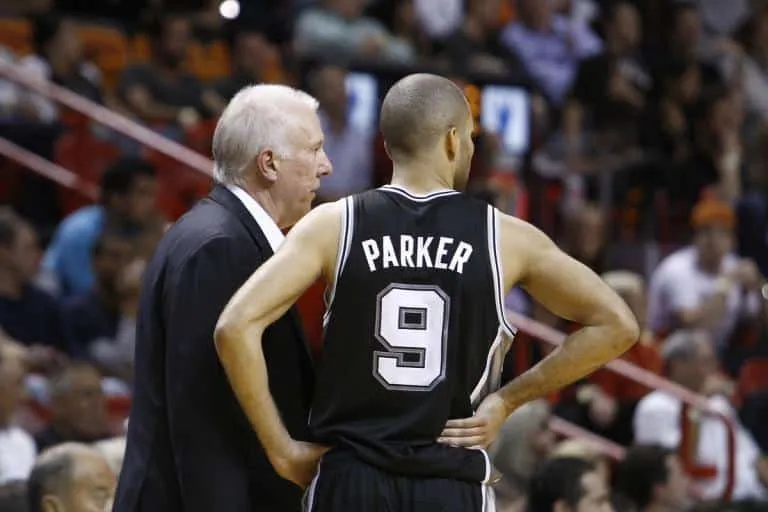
(419, 110)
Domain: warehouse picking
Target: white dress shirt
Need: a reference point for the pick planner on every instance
(657, 421)
(267, 224)
(17, 454)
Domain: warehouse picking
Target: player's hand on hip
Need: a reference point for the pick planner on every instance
(300, 464)
(481, 429)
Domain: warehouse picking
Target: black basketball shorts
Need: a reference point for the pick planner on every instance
(346, 484)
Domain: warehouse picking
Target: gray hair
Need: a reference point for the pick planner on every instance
(52, 473)
(683, 345)
(255, 119)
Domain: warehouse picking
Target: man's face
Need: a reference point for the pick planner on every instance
(114, 256)
(713, 243)
(626, 23)
(142, 199)
(22, 257)
(253, 55)
(298, 173)
(81, 408)
(92, 487)
(332, 90)
(175, 41)
(596, 497)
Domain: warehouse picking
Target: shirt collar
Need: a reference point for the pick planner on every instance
(267, 224)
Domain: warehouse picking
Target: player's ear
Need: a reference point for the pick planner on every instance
(452, 143)
(267, 165)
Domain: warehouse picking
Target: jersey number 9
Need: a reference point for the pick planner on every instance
(412, 325)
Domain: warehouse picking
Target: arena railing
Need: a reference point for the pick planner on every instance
(691, 401)
(204, 165)
(47, 169)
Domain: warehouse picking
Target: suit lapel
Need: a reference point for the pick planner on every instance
(228, 200)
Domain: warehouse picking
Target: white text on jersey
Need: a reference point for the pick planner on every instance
(416, 252)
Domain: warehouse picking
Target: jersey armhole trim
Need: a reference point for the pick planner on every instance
(494, 252)
(345, 242)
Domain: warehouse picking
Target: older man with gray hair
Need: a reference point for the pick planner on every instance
(189, 445)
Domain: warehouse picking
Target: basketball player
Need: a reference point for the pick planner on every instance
(415, 326)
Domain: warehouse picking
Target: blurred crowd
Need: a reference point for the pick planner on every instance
(647, 163)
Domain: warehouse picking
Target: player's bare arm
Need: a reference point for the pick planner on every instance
(571, 291)
(309, 252)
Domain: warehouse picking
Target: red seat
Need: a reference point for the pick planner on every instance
(86, 156)
(179, 186)
(753, 376)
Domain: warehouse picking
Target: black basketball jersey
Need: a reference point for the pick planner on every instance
(414, 332)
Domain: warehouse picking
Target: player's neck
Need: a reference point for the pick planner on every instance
(419, 181)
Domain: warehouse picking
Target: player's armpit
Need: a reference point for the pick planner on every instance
(308, 251)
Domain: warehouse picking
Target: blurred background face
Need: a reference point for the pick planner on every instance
(142, 199)
(347, 9)
(110, 260)
(93, 485)
(535, 13)
(66, 44)
(22, 257)
(713, 243)
(687, 30)
(694, 372)
(331, 91)
(174, 41)
(253, 53)
(79, 407)
(625, 26)
(487, 12)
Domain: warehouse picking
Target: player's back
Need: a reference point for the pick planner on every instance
(413, 321)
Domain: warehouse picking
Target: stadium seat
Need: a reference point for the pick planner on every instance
(209, 61)
(753, 376)
(107, 47)
(179, 186)
(16, 35)
(86, 156)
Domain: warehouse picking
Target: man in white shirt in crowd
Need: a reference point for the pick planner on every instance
(659, 419)
(706, 286)
(17, 448)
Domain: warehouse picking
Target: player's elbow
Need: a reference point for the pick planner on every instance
(227, 333)
(625, 330)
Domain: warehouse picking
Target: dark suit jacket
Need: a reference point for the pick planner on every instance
(190, 446)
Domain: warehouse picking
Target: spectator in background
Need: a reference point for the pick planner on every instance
(27, 314)
(71, 478)
(586, 237)
(349, 150)
(161, 92)
(662, 419)
(17, 448)
(58, 58)
(339, 29)
(705, 285)
(113, 450)
(549, 46)
(610, 92)
(579, 449)
(253, 56)
(652, 478)
(474, 46)
(114, 355)
(96, 314)
(752, 207)
(523, 443)
(568, 485)
(128, 197)
(78, 408)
